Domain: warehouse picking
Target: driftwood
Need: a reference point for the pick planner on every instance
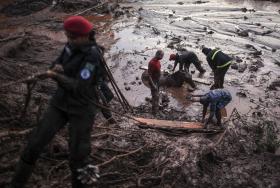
(173, 126)
(120, 156)
(94, 7)
(12, 38)
(15, 133)
(200, 81)
(32, 78)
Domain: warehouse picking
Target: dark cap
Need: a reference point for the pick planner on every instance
(206, 51)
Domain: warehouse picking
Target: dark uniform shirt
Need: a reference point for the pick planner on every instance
(83, 70)
(217, 59)
(185, 59)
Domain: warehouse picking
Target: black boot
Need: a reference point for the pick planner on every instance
(22, 174)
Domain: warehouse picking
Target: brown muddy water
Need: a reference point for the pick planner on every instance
(196, 23)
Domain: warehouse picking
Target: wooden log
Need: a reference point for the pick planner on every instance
(169, 124)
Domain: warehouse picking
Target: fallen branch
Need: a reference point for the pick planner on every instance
(120, 156)
(15, 133)
(94, 7)
(31, 78)
(103, 135)
(201, 82)
(12, 38)
(220, 139)
(55, 167)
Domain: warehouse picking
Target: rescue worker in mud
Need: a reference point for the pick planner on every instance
(154, 71)
(216, 99)
(219, 63)
(77, 72)
(185, 59)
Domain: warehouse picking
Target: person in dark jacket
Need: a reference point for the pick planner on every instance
(185, 59)
(216, 99)
(77, 72)
(219, 63)
(154, 72)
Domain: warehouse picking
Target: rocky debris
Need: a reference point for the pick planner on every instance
(133, 83)
(238, 59)
(245, 18)
(242, 67)
(165, 100)
(242, 93)
(118, 13)
(169, 66)
(247, 10)
(187, 18)
(243, 33)
(256, 53)
(127, 88)
(25, 7)
(253, 68)
(156, 31)
(200, 2)
(174, 40)
(14, 47)
(249, 46)
(258, 63)
(234, 66)
(276, 62)
(74, 5)
(275, 84)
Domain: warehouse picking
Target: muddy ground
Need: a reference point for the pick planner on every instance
(247, 154)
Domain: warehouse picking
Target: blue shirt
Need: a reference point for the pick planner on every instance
(218, 99)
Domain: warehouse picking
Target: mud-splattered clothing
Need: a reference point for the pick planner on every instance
(185, 59)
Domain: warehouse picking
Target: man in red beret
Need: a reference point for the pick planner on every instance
(78, 72)
(154, 78)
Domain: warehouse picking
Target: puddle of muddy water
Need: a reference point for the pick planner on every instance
(137, 43)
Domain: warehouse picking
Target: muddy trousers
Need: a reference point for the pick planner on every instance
(219, 78)
(189, 80)
(155, 100)
(54, 119)
(218, 117)
(197, 65)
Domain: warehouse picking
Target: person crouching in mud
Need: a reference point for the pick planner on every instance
(216, 99)
(185, 59)
(77, 72)
(154, 72)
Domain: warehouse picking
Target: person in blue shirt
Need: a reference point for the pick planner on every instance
(216, 99)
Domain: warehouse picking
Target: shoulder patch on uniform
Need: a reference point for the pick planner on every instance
(89, 66)
(85, 73)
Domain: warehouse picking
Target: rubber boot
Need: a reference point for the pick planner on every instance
(22, 174)
(76, 183)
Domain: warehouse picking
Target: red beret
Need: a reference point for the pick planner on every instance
(172, 57)
(77, 25)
